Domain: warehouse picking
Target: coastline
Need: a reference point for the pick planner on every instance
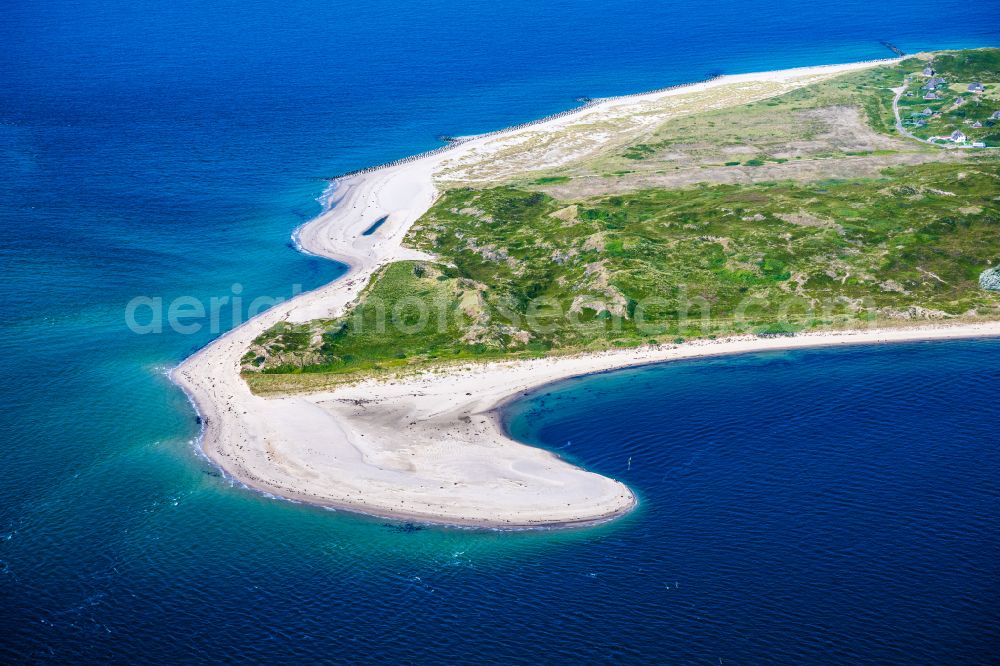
(752, 344)
(431, 448)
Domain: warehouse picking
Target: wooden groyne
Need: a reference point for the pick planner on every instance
(544, 119)
(892, 47)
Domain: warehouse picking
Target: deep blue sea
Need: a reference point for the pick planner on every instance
(810, 507)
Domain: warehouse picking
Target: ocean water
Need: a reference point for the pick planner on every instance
(168, 149)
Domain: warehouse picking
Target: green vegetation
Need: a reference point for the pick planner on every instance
(795, 124)
(640, 152)
(957, 108)
(411, 310)
(521, 273)
(849, 116)
(969, 65)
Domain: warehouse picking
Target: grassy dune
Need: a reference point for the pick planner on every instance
(549, 265)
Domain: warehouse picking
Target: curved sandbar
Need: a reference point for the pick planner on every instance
(428, 448)
(435, 465)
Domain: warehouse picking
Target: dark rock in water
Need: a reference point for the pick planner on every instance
(197, 419)
(990, 279)
(445, 138)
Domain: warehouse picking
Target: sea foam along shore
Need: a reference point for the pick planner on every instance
(426, 449)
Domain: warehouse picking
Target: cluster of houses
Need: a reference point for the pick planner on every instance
(933, 83)
(959, 137)
(920, 117)
(931, 87)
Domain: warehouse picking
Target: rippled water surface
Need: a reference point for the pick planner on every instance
(827, 505)
(821, 506)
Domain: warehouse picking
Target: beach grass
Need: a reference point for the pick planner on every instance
(835, 127)
(831, 220)
(522, 274)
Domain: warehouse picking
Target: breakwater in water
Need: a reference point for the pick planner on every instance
(892, 47)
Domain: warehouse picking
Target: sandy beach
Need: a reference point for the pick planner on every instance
(429, 447)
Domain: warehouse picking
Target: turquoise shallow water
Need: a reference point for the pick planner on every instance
(169, 149)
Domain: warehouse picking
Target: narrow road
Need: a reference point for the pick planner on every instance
(900, 91)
